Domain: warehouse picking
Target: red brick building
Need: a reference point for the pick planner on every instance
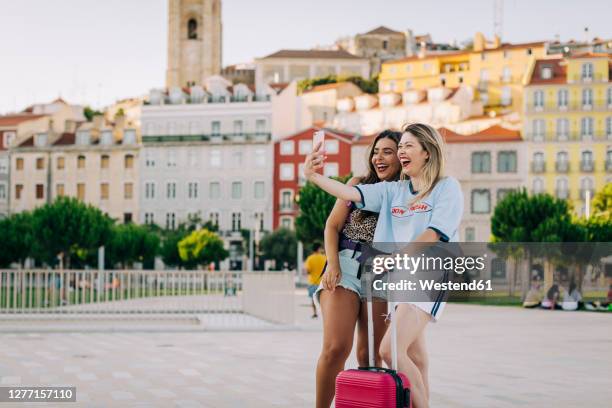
(289, 155)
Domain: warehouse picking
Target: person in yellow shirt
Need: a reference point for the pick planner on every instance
(314, 266)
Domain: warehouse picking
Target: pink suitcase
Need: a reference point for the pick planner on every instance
(374, 387)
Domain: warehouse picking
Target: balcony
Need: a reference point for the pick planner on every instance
(587, 166)
(562, 166)
(583, 193)
(562, 193)
(287, 207)
(596, 105)
(538, 167)
(570, 137)
(256, 137)
(595, 77)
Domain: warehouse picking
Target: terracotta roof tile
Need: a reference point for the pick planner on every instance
(317, 54)
(493, 134)
(558, 72)
(589, 55)
(65, 139)
(383, 30)
(14, 120)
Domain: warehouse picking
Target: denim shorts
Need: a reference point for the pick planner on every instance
(349, 267)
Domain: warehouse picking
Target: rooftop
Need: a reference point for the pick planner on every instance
(313, 54)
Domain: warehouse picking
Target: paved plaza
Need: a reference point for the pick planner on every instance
(481, 356)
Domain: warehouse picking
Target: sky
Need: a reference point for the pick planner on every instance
(94, 52)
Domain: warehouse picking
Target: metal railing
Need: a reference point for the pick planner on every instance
(119, 291)
(257, 137)
(597, 105)
(568, 137)
(562, 166)
(538, 167)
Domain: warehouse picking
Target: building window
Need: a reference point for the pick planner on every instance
(18, 191)
(506, 74)
(215, 190)
(236, 190)
(214, 219)
(4, 165)
(538, 186)
(506, 162)
(40, 191)
(286, 171)
(128, 191)
(170, 221)
(192, 29)
(260, 126)
(19, 163)
(192, 189)
(129, 161)
(149, 190)
(481, 201)
(238, 127)
(2, 191)
(192, 158)
(538, 99)
(81, 191)
(587, 71)
(562, 129)
(539, 130)
(171, 190)
(609, 127)
(286, 222)
(287, 148)
(60, 163)
(149, 219)
(40, 163)
(286, 203)
(305, 147)
(502, 193)
(260, 157)
(470, 234)
(259, 217)
(59, 190)
(331, 170)
(259, 190)
(586, 127)
(587, 98)
(81, 162)
(104, 191)
(236, 221)
(215, 158)
(562, 98)
(332, 146)
(586, 185)
(9, 138)
(586, 162)
(150, 159)
(301, 177)
(215, 127)
(562, 189)
(481, 162)
(171, 158)
(104, 161)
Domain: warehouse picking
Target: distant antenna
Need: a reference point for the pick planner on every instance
(498, 17)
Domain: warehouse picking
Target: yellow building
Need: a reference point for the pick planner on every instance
(494, 69)
(568, 119)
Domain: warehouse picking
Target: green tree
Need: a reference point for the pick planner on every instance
(315, 206)
(16, 234)
(281, 247)
(89, 113)
(68, 228)
(169, 248)
(602, 202)
(366, 85)
(131, 243)
(201, 247)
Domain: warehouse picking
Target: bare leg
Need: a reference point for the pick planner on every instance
(411, 321)
(417, 352)
(379, 310)
(340, 310)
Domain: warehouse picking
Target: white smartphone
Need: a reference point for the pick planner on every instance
(318, 137)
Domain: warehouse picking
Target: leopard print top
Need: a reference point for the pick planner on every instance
(362, 227)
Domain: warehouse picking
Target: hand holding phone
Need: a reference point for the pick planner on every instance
(318, 137)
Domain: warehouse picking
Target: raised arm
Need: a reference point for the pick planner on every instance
(316, 161)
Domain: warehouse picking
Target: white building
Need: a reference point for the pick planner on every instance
(289, 65)
(208, 151)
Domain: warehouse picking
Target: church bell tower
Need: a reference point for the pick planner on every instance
(194, 41)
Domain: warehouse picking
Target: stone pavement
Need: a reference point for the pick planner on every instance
(481, 356)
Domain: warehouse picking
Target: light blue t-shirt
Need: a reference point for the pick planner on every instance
(400, 221)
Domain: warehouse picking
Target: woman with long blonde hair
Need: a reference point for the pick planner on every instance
(425, 206)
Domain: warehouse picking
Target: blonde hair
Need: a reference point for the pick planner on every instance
(432, 142)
